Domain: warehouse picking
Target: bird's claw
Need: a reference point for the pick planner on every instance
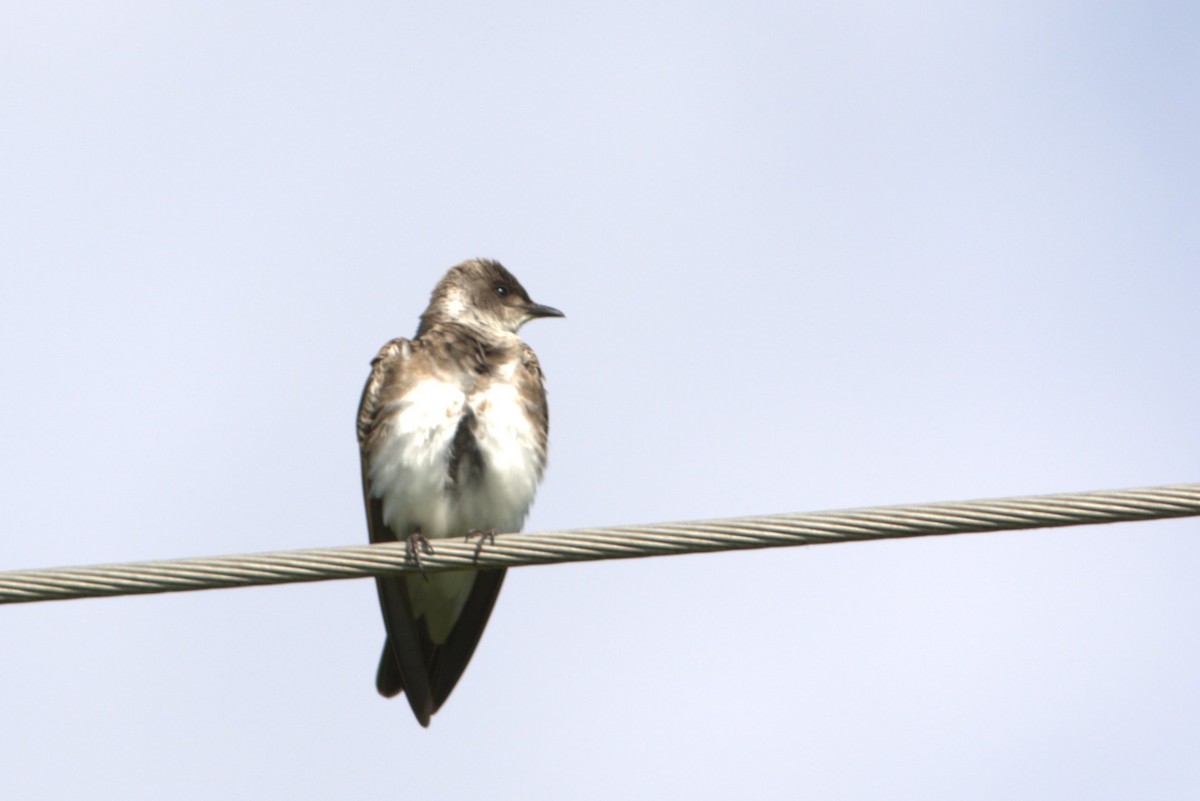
(481, 535)
(416, 544)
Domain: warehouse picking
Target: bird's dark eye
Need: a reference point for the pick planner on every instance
(502, 290)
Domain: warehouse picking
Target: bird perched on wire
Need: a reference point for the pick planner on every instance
(452, 430)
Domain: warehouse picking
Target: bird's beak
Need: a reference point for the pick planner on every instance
(535, 310)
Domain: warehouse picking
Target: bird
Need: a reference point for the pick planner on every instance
(452, 431)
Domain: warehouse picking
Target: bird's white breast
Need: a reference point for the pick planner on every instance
(408, 470)
(512, 457)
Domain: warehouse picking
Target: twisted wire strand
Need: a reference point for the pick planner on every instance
(617, 542)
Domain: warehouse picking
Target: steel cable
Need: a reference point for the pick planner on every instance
(618, 542)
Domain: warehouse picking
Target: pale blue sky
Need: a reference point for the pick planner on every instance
(812, 256)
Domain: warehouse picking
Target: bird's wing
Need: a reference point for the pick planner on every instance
(403, 664)
(532, 383)
(411, 661)
(448, 660)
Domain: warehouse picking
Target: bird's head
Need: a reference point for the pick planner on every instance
(481, 294)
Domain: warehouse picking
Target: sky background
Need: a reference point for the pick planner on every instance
(812, 256)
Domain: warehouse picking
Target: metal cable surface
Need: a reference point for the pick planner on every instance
(618, 542)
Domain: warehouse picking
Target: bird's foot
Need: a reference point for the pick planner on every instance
(416, 544)
(481, 535)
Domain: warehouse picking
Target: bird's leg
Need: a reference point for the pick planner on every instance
(414, 545)
(481, 534)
